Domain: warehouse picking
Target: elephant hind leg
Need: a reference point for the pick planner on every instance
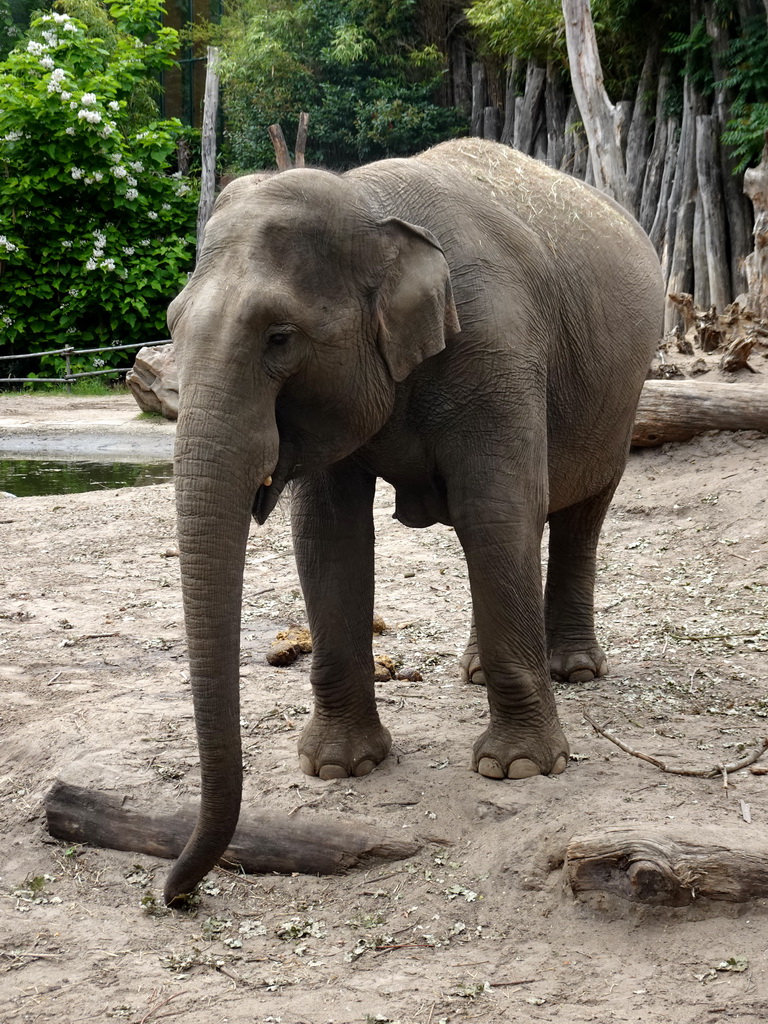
(575, 656)
(469, 664)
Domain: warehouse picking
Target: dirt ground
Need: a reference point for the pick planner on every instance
(478, 925)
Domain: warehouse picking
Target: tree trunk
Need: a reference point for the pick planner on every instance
(462, 88)
(280, 146)
(528, 114)
(639, 138)
(597, 112)
(300, 150)
(658, 229)
(711, 192)
(677, 258)
(479, 91)
(576, 148)
(508, 130)
(492, 124)
(677, 410)
(556, 109)
(262, 843)
(208, 145)
(647, 866)
(657, 161)
(756, 264)
(699, 251)
(738, 215)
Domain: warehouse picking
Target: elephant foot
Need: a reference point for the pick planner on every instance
(496, 755)
(577, 666)
(470, 668)
(333, 750)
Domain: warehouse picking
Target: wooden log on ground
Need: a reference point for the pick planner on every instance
(651, 867)
(262, 843)
(677, 410)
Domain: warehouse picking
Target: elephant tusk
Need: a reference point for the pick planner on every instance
(267, 481)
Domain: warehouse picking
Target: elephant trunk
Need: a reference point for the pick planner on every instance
(216, 481)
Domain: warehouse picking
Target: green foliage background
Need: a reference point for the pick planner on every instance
(96, 235)
(353, 65)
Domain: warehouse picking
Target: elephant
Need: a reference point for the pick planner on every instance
(467, 324)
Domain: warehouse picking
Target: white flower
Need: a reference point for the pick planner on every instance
(91, 264)
(7, 321)
(108, 264)
(70, 27)
(12, 137)
(131, 193)
(182, 190)
(47, 63)
(107, 130)
(76, 172)
(88, 99)
(97, 176)
(36, 48)
(8, 246)
(128, 250)
(51, 38)
(92, 116)
(100, 237)
(131, 181)
(145, 241)
(66, 96)
(99, 363)
(66, 244)
(69, 131)
(152, 215)
(113, 105)
(60, 19)
(116, 157)
(73, 105)
(119, 172)
(74, 292)
(138, 166)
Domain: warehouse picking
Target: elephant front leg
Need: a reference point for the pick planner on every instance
(332, 521)
(501, 541)
(574, 653)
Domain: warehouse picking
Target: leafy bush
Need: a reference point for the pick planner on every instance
(95, 233)
(370, 93)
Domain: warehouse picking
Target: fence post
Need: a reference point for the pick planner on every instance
(67, 351)
(208, 175)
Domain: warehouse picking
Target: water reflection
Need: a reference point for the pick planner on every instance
(27, 477)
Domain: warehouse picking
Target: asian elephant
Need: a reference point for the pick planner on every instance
(471, 326)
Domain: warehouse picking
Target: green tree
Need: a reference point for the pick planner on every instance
(96, 234)
(351, 64)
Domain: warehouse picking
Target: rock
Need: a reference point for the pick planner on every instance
(154, 380)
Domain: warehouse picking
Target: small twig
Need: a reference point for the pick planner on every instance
(507, 984)
(159, 1006)
(700, 773)
(713, 636)
(53, 679)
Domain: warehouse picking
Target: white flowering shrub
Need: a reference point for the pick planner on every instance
(95, 234)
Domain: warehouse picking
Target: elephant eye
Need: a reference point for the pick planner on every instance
(277, 337)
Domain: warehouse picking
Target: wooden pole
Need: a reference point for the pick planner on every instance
(208, 175)
(282, 156)
(301, 140)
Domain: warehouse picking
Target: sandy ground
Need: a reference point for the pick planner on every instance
(479, 924)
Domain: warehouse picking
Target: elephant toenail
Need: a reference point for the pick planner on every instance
(306, 765)
(603, 669)
(364, 768)
(490, 768)
(523, 768)
(333, 771)
(583, 675)
(478, 677)
(559, 765)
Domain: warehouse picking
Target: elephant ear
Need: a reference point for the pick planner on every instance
(416, 308)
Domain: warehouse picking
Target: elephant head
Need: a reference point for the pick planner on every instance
(306, 308)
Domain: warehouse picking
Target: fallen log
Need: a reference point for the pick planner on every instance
(654, 868)
(677, 410)
(262, 843)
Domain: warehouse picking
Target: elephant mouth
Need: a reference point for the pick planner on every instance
(265, 501)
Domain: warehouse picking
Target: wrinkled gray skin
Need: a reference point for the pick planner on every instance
(467, 324)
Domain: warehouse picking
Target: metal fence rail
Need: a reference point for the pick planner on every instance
(68, 352)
